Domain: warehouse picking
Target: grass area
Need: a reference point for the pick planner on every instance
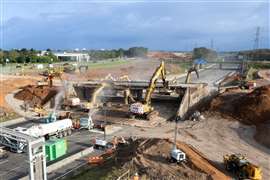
(9, 116)
(259, 66)
(251, 74)
(12, 69)
(107, 63)
(106, 171)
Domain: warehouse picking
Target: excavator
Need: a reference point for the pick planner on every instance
(144, 109)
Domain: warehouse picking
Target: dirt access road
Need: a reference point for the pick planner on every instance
(9, 83)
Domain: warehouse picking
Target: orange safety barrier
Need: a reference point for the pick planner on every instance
(95, 160)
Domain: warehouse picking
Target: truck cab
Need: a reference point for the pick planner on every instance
(177, 155)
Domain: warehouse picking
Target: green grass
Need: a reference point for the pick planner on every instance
(106, 171)
(259, 66)
(251, 74)
(107, 63)
(9, 116)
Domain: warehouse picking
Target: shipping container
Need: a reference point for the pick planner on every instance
(55, 148)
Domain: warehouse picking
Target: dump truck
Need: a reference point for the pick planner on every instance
(71, 103)
(241, 167)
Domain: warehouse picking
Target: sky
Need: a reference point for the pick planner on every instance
(157, 25)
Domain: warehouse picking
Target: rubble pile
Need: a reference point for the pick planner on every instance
(150, 159)
(36, 95)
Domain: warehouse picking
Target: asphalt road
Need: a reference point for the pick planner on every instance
(211, 75)
(16, 166)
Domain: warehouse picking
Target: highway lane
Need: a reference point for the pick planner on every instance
(16, 166)
(211, 75)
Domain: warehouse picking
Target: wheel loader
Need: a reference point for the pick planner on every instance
(241, 167)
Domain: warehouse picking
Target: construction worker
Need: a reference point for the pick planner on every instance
(136, 176)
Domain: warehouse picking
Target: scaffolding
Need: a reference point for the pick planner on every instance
(34, 147)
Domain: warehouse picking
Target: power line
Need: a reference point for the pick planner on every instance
(257, 38)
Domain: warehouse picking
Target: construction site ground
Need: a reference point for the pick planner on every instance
(213, 137)
(150, 159)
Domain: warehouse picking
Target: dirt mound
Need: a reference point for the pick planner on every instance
(255, 106)
(251, 108)
(150, 158)
(161, 55)
(36, 95)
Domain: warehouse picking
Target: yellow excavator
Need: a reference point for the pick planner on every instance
(241, 167)
(144, 109)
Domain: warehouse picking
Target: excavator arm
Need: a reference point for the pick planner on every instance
(160, 71)
(189, 74)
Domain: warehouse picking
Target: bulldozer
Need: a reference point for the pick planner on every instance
(144, 109)
(241, 167)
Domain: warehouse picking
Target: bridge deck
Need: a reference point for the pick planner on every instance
(136, 84)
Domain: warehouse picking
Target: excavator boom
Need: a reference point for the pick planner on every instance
(160, 71)
(145, 107)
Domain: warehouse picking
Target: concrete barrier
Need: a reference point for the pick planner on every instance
(192, 97)
(12, 122)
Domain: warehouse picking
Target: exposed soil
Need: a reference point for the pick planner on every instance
(135, 70)
(150, 158)
(250, 108)
(169, 55)
(11, 83)
(265, 74)
(36, 95)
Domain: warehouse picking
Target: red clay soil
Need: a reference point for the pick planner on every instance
(251, 108)
(37, 95)
(168, 55)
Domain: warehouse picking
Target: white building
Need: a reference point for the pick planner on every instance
(73, 56)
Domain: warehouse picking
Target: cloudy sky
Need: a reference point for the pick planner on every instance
(158, 25)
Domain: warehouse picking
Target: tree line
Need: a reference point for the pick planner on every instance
(26, 56)
(118, 53)
(256, 55)
(204, 53)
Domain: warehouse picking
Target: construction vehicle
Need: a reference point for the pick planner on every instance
(144, 109)
(70, 103)
(241, 167)
(100, 144)
(40, 111)
(93, 104)
(86, 123)
(128, 97)
(188, 77)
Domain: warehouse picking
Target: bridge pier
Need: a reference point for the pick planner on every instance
(220, 65)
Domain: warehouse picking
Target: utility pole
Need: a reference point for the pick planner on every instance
(257, 38)
(212, 44)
